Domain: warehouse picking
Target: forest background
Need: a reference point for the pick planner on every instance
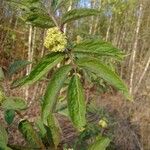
(124, 23)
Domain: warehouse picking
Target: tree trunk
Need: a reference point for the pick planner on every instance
(135, 47)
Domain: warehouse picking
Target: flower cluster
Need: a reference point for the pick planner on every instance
(55, 40)
(103, 123)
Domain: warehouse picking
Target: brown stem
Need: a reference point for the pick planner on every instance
(19, 114)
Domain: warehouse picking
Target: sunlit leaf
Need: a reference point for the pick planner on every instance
(54, 86)
(14, 103)
(78, 13)
(39, 19)
(56, 4)
(41, 128)
(3, 136)
(33, 12)
(29, 134)
(100, 144)
(55, 129)
(106, 73)
(76, 103)
(97, 48)
(44, 65)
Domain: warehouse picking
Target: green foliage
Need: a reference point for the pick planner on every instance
(94, 65)
(56, 4)
(41, 128)
(14, 103)
(76, 103)
(33, 12)
(29, 134)
(17, 66)
(97, 48)
(3, 139)
(38, 19)
(3, 136)
(9, 116)
(77, 14)
(74, 61)
(55, 129)
(100, 144)
(44, 65)
(2, 96)
(51, 95)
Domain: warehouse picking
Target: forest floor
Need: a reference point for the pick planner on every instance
(132, 118)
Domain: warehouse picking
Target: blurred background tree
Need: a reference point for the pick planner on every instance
(125, 23)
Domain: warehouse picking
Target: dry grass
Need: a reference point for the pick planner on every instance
(133, 131)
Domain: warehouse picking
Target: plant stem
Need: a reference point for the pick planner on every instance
(67, 51)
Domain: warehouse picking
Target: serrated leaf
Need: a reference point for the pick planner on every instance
(52, 91)
(76, 103)
(16, 66)
(14, 103)
(3, 136)
(41, 127)
(56, 4)
(103, 71)
(2, 96)
(29, 134)
(25, 5)
(78, 13)
(97, 48)
(9, 116)
(55, 129)
(44, 65)
(39, 19)
(33, 12)
(30, 3)
(100, 144)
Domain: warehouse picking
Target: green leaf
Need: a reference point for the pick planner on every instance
(29, 134)
(45, 64)
(14, 103)
(2, 96)
(76, 103)
(30, 3)
(97, 48)
(3, 136)
(55, 129)
(52, 91)
(16, 66)
(25, 5)
(33, 12)
(78, 13)
(9, 116)
(39, 19)
(4, 147)
(106, 73)
(100, 144)
(41, 127)
(56, 4)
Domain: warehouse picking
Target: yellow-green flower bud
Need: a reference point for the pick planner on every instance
(103, 123)
(55, 40)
